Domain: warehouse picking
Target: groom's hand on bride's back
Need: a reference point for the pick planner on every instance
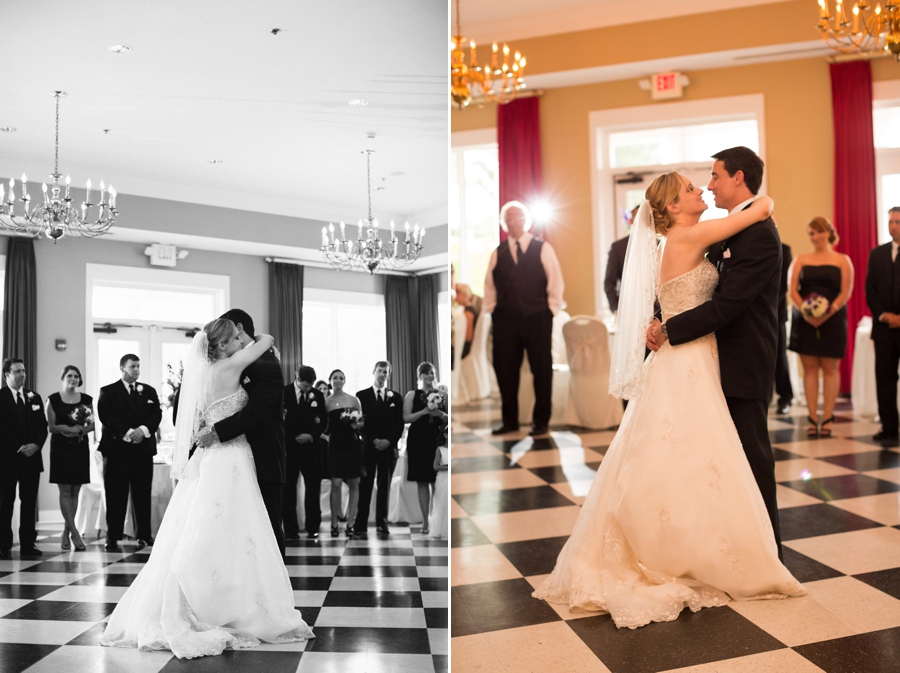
(655, 337)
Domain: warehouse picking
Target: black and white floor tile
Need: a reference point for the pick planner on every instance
(375, 604)
(515, 500)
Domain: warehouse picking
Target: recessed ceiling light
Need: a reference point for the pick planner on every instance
(8, 129)
(215, 161)
(120, 49)
(358, 102)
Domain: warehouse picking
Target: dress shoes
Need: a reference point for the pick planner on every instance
(784, 408)
(144, 542)
(383, 530)
(885, 436)
(539, 431)
(505, 429)
(312, 536)
(112, 545)
(30, 552)
(292, 536)
(5, 554)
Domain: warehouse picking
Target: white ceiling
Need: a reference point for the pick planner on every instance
(493, 20)
(208, 80)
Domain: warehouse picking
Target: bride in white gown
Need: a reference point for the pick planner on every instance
(215, 578)
(674, 517)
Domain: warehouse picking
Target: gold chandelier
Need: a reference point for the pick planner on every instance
(369, 250)
(56, 216)
(498, 82)
(861, 29)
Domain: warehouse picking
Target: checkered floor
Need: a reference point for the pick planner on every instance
(374, 604)
(515, 500)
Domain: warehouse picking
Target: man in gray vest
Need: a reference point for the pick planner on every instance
(523, 290)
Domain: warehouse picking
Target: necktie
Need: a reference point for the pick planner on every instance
(132, 393)
(20, 402)
(518, 252)
(380, 396)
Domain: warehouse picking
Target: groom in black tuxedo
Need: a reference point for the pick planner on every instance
(743, 313)
(261, 420)
(130, 414)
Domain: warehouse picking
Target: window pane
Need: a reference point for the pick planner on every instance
(676, 144)
(131, 303)
(886, 126)
(482, 195)
(703, 140)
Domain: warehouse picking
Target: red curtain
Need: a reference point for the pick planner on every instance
(854, 185)
(519, 152)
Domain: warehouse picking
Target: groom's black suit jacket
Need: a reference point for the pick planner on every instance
(743, 312)
(262, 419)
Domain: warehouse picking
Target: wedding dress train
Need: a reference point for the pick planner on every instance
(674, 517)
(215, 578)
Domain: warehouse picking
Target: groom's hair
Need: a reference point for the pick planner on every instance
(237, 316)
(745, 160)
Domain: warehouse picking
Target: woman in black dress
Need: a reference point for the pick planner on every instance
(820, 341)
(345, 449)
(70, 418)
(424, 436)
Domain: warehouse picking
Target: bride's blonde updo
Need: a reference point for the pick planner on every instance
(663, 191)
(220, 330)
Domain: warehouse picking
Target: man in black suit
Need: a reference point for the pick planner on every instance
(743, 313)
(382, 410)
(130, 414)
(783, 387)
(615, 265)
(883, 298)
(261, 420)
(304, 420)
(23, 430)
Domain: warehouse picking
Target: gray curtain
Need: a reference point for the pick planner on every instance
(411, 313)
(20, 305)
(286, 314)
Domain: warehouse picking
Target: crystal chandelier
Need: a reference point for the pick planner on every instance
(500, 82)
(56, 216)
(372, 251)
(862, 29)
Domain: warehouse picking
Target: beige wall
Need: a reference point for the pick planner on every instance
(798, 119)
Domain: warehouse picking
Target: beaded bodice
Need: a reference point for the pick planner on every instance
(688, 290)
(226, 406)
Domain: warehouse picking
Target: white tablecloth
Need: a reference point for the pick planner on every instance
(862, 389)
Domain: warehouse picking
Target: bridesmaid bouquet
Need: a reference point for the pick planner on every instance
(82, 415)
(437, 400)
(814, 305)
(351, 416)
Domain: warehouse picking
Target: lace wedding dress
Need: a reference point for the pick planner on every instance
(215, 578)
(674, 518)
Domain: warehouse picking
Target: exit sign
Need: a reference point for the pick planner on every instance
(666, 85)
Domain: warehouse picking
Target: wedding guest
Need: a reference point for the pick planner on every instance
(424, 436)
(323, 387)
(130, 414)
(23, 429)
(466, 299)
(70, 418)
(383, 414)
(345, 451)
(883, 298)
(523, 290)
(615, 264)
(821, 285)
(304, 421)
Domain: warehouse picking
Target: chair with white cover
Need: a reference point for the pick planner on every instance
(89, 497)
(458, 325)
(475, 371)
(589, 403)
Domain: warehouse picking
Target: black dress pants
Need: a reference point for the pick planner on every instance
(383, 463)
(28, 490)
(783, 387)
(306, 460)
(515, 335)
(749, 418)
(273, 497)
(124, 472)
(887, 359)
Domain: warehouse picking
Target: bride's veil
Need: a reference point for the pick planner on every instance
(188, 403)
(637, 296)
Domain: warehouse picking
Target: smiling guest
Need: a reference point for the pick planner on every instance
(821, 285)
(523, 290)
(130, 414)
(70, 417)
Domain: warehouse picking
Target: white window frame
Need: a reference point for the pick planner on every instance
(464, 140)
(2, 296)
(887, 159)
(603, 122)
